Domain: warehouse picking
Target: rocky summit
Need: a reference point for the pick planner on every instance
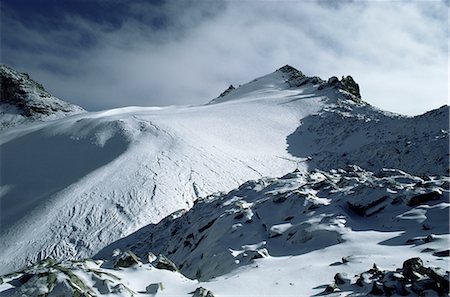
(24, 100)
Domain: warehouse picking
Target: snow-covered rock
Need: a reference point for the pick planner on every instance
(22, 100)
(73, 186)
(299, 214)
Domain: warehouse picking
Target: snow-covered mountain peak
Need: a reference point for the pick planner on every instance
(293, 81)
(73, 187)
(22, 100)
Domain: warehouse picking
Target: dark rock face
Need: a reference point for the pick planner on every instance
(165, 263)
(347, 84)
(29, 98)
(227, 91)
(293, 73)
(422, 198)
(295, 78)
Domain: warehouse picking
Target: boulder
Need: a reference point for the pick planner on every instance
(422, 198)
(413, 268)
(154, 288)
(202, 292)
(126, 259)
(342, 278)
(162, 262)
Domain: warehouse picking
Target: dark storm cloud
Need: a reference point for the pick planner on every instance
(102, 54)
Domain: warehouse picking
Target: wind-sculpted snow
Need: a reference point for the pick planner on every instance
(296, 214)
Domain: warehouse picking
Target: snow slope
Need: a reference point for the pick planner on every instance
(73, 186)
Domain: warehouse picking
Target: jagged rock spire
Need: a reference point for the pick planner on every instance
(347, 84)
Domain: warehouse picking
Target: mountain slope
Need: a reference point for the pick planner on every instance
(22, 100)
(71, 187)
(304, 234)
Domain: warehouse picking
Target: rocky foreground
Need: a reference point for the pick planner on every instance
(263, 222)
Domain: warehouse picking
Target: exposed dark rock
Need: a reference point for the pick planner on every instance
(445, 253)
(25, 278)
(154, 288)
(25, 100)
(202, 292)
(227, 91)
(342, 279)
(362, 208)
(126, 259)
(165, 263)
(347, 84)
(422, 198)
(295, 78)
(330, 289)
(413, 268)
(413, 278)
(377, 289)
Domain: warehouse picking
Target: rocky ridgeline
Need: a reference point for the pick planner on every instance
(294, 78)
(91, 278)
(227, 91)
(349, 132)
(22, 99)
(413, 279)
(295, 214)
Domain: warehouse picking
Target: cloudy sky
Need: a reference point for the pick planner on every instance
(103, 54)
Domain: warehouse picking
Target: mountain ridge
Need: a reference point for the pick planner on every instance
(22, 100)
(79, 184)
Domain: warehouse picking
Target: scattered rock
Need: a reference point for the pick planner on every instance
(413, 268)
(154, 288)
(126, 259)
(413, 278)
(422, 198)
(151, 257)
(362, 207)
(162, 262)
(342, 278)
(202, 292)
(330, 289)
(429, 238)
(377, 289)
(445, 253)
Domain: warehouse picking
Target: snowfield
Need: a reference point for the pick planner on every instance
(287, 185)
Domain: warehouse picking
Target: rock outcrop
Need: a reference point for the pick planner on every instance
(23, 100)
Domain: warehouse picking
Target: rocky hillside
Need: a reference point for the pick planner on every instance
(330, 226)
(22, 100)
